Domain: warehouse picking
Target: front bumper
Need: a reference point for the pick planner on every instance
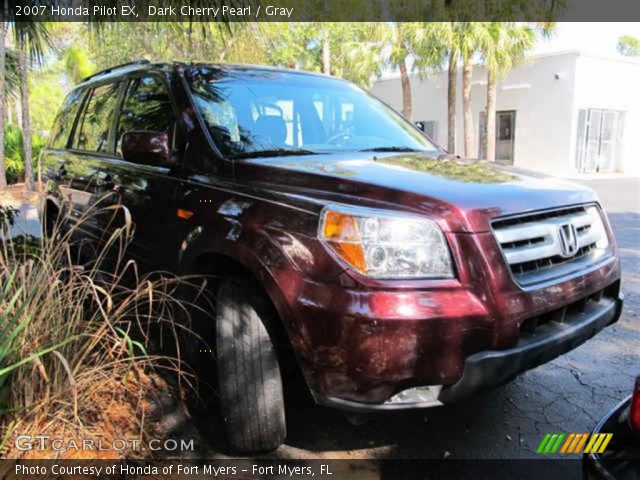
(398, 345)
(488, 369)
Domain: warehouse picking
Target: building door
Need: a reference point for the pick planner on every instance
(599, 140)
(505, 136)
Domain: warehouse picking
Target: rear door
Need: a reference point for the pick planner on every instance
(81, 139)
(54, 158)
(90, 190)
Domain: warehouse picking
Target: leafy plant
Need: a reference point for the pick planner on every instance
(14, 151)
(628, 46)
(75, 334)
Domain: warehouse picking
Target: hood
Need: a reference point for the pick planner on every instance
(467, 195)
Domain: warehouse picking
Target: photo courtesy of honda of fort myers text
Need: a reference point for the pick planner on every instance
(316, 239)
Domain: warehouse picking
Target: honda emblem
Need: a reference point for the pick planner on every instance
(568, 240)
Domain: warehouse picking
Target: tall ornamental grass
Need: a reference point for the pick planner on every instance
(76, 323)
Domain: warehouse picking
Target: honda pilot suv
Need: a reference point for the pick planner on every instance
(399, 276)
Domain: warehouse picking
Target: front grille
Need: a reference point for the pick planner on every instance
(535, 247)
(567, 313)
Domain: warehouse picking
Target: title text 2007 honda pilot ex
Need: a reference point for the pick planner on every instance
(399, 276)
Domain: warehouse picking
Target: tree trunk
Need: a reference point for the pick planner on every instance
(451, 102)
(326, 55)
(467, 71)
(490, 122)
(26, 123)
(406, 90)
(3, 34)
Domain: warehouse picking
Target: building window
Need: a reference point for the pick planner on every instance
(430, 127)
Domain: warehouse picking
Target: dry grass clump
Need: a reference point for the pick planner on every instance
(74, 338)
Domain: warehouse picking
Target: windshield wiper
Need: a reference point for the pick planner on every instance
(390, 149)
(275, 152)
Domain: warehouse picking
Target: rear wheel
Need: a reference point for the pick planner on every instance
(249, 380)
(52, 222)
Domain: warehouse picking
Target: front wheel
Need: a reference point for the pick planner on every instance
(251, 394)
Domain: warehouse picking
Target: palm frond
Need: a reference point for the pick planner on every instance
(12, 75)
(30, 32)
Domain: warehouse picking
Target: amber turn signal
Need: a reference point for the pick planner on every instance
(343, 233)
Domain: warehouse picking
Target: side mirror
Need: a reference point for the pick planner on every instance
(149, 148)
(420, 125)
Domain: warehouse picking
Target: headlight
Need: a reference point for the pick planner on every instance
(385, 244)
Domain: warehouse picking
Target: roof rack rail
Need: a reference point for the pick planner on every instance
(116, 67)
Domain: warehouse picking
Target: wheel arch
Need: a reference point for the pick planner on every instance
(221, 264)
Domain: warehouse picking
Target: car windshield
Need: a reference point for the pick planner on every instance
(275, 113)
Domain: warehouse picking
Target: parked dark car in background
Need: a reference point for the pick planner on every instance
(621, 459)
(397, 277)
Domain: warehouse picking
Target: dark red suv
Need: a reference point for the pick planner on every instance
(399, 276)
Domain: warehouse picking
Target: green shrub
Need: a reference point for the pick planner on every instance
(14, 151)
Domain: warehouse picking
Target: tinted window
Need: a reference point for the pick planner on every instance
(270, 112)
(64, 121)
(146, 107)
(93, 131)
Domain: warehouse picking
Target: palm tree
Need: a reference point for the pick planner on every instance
(423, 42)
(449, 39)
(26, 120)
(507, 46)
(31, 39)
(452, 82)
(469, 38)
(3, 34)
(430, 46)
(462, 40)
(401, 47)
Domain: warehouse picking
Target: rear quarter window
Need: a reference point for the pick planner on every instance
(63, 124)
(92, 132)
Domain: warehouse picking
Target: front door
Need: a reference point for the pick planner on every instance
(505, 128)
(149, 187)
(599, 135)
(505, 136)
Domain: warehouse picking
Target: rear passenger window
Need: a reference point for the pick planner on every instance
(146, 107)
(92, 133)
(63, 124)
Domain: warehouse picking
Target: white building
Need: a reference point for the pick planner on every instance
(562, 113)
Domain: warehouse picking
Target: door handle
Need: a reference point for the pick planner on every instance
(107, 182)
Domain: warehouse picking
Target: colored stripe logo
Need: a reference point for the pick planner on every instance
(574, 443)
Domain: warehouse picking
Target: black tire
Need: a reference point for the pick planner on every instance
(249, 380)
(52, 223)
